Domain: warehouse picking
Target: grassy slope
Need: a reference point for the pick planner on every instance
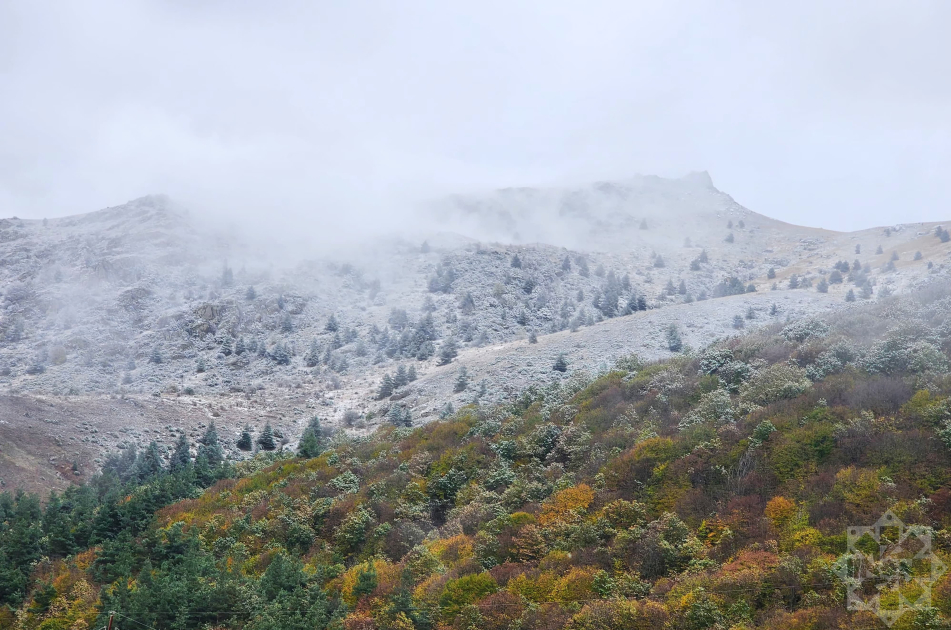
(710, 491)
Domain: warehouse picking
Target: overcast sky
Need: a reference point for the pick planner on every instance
(827, 113)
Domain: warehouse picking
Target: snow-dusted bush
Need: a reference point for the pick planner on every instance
(777, 382)
(831, 361)
(715, 406)
(711, 360)
(804, 329)
(902, 354)
(730, 371)
(346, 482)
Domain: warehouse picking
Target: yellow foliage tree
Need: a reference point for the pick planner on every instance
(567, 505)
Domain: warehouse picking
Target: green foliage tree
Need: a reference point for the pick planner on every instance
(311, 442)
(266, 439)
(181, 457)
(245, 442)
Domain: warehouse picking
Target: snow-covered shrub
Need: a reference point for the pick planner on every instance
(346, 482)
(722, 363)
(902, 354)
(831, 361)
(711, 360)
(715, 406)
(777, 382)
(803, 329)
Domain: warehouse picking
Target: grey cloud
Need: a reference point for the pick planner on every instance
(343, 114)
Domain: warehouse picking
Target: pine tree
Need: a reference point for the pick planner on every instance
(773, 309)
(311, 442)
(738, 322)
(200, 365)
(729, 224)
(850, 296)
(750, 313)
(210, 446)
(400, 379)
(532, 337)
(566, 264)
(641, 303)
(227, 276)
(703, 256)
(670, 289)
(332, 324)
(386, 387)
(771, 273)
(148, 465)
(659, 261)
(729, 238)
(312, 357)
(411, 374)
(561, 364)
(643, 224)
(448, 351)
(239, 347)
(280, 355)
(245, 442)
(794, 281)
(462, 381)
(858, 249)
(266, 439)
(682, 289)
(181, 458)
(741, 224)
(250, 294)
(823, 286)
(516, 262)
(366, 581)
(879, 249)
(156, 356)
(674, 342)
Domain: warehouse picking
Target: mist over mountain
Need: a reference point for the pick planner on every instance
(149, 301)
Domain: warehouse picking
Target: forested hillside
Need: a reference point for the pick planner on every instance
(712, 490)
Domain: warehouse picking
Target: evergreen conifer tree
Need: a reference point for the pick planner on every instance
(448, 351)
(181, 458)
(266, 439)
(210, 446)
(245, 442)
(674, 342)
(561, 364)
(311, 442)
(149, 463)
(400, 379)
(386, 387)
(411, 374)
(462, 380)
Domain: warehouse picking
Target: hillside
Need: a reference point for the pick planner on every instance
(709, 490)
(168, 322)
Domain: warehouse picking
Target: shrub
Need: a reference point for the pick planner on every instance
(804, 329)
(777, 382)
(464, 591)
